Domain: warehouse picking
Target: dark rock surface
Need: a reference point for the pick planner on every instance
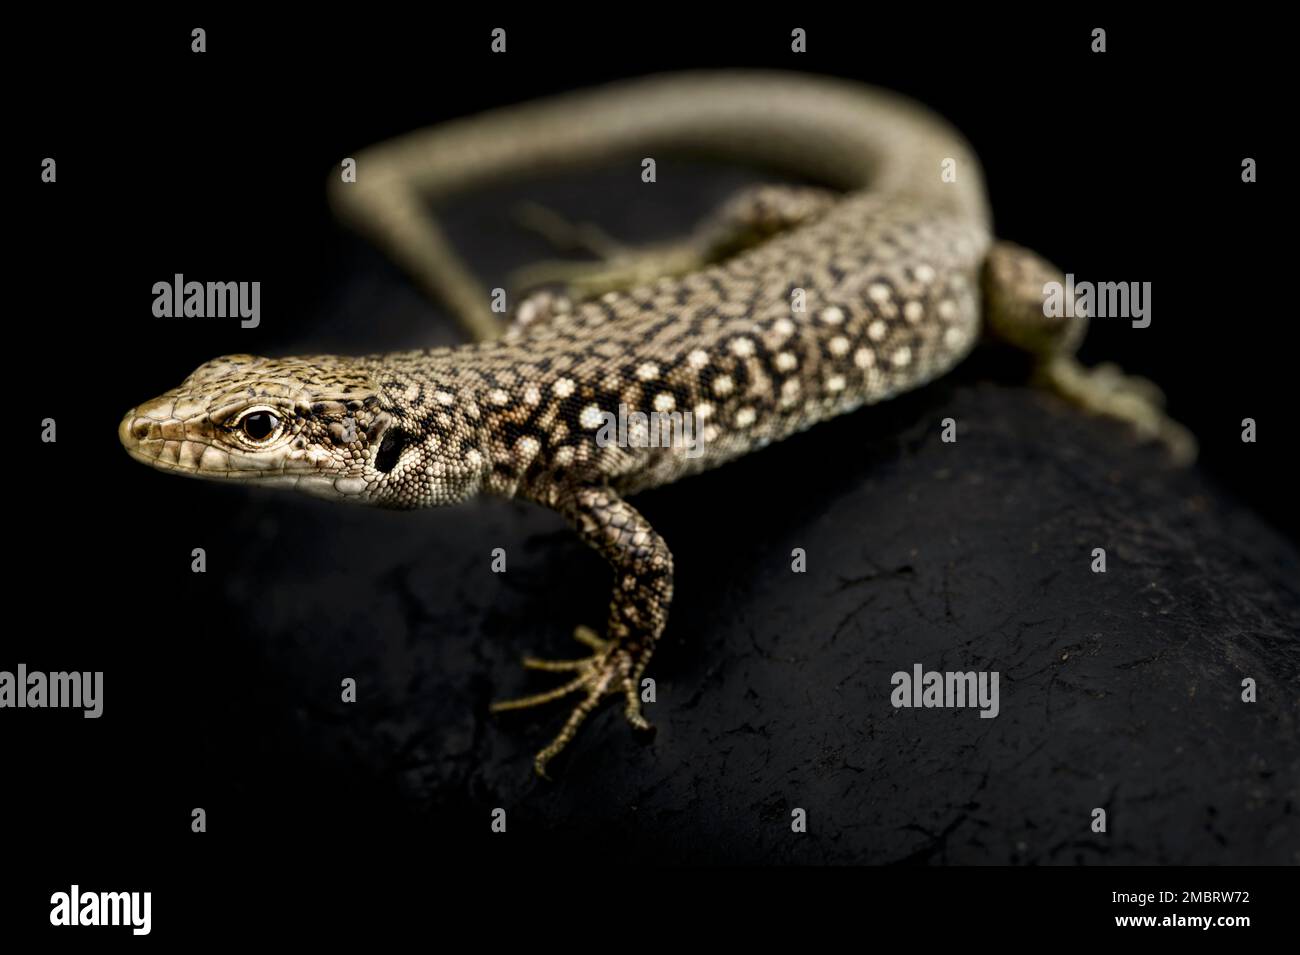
(1118, 690)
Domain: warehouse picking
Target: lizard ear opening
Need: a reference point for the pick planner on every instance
(390, 449)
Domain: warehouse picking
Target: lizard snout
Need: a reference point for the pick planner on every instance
(146, 429)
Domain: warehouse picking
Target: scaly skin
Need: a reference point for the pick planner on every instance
(816, 303)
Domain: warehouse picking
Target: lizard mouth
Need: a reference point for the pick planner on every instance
(152, 436)
(155, 438)
(129, 431)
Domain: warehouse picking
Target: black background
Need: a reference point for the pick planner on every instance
(1121, 166)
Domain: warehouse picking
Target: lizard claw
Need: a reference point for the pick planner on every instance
(584, 635)
(588, 637)
(608, 671)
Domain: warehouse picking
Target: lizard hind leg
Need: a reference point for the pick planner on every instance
(1015, 281)
(747, 218)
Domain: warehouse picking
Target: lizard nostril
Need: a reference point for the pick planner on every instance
(140, 430)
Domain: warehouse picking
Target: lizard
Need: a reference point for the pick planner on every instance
(791, 305)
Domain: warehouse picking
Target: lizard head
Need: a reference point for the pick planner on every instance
(324, 425)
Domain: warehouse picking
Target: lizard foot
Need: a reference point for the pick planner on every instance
(748, 218)
(1108, 391)
(564, 235)
(583, 281)
(608, 671)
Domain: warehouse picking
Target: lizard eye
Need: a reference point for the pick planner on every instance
(260, 425)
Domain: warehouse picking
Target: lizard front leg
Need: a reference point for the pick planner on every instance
(638, 611)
